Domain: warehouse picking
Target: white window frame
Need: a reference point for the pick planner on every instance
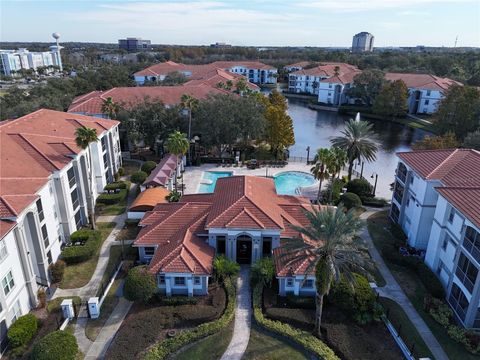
(161, 279)
(289, 282)
(8, 283)
(305, 286)
(16, 310)
(149, 247)
(179, 278)
(197, 280)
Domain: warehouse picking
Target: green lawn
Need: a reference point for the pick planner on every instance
(265, 347)
(211, 347)
(78, 275)
(409, 333)
(114, 259)
(94, 326)
(378, 226)
(115, 209)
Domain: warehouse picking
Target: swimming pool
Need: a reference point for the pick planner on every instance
(209, 179)
(288, 182)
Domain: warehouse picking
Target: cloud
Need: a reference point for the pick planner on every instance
(369, 5)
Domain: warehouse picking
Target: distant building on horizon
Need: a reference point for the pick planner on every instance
(220, 45)
(134, 44)
(13, 61)
(362, 42)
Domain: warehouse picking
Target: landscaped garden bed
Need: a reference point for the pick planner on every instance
(148, 324)
(114, 200)
(79, 274)
(387, 238)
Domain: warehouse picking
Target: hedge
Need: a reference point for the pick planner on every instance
(115, 186)
(350, 200)
(168, 346)
(22, 330)
(79, 253)
(57, 269)
(361, 187)
(111, 199)
(306, 340)
(58, 345)
(148, 166)
(177, 300)
(139, 285)
(139, 177)
(374, 202)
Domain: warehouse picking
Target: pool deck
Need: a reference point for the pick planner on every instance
(193, 175)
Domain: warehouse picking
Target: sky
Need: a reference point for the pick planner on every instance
(246, 23)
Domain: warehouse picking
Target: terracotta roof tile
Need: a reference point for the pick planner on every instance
(464, 199)
(162, 172)
(422, 81)
(148, 199)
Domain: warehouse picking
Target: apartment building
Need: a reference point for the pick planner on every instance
(436, 201)
(44, 197)
(254, 71)
(134, 44)
(12, 61)
(362, 42)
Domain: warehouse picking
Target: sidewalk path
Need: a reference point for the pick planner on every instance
(394, 292)
(243, 318)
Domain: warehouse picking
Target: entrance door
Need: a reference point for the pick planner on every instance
(244, 250)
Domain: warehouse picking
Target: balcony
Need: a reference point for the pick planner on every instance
(399, 191)
(471, 242)
(402, 172)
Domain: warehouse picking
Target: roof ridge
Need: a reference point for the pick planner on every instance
(9, 206)
(153, 226)
(26, 116)
(442, 163)
(253, 217)
(37, 150)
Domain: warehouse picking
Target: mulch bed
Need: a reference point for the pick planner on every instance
(147, 324)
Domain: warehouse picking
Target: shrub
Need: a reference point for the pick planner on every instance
(111, 199)
(22, 330)
(54, 346)
(119, 185)
(79, 253)
(148, 166)
(132, 222)
(225, 268)
(361, 187)
(139, 177)
(357, 299)
(42, 298)
(304, 339)
(337, 187)
(374, 202)
(440, 312)
(56, 270)
(178, 300)
(263, 272)
(350, 200)
(121, 171)
(139, 285)
(166, 347)
(174, 196)
(457, 333)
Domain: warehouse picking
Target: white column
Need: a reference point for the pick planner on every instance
(168, 287)
(190, 286)
(296, 287)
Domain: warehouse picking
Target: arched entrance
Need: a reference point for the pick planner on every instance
(244, 249)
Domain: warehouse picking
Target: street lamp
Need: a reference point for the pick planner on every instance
(308, 154)
(376, 179)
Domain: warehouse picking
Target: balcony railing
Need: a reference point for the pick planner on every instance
(464, 279)
(457, 307)
(471, 248)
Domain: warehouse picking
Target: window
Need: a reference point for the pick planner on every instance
(8, 283)
(446, 239)
(408, 201)
(427, 102)
(471, 242)
(398, 193)
(179, 281)
(71, 177)
(459, 301)
(45, 235)
(308, 283)
(412, 178)
(476, 323)
(428, 93)
(466, 272)
(78, 219)
(267, 246)
(16, 311)
(395, 213)
(41, 216)
(3, 250)
(149, 251)
(105, 161)
(440, 267)
(451, 215)
(161, 279)
(402, 172)
(104, 144)
(290, 282)
(74, 197)
(197, 280)
(220, 244)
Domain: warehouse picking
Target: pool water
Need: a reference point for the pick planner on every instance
(211, 177)
(288, 182)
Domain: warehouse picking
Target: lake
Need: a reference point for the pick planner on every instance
(315, 128)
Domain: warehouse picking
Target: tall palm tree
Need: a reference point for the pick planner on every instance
(189, 103)
(83, 137)
(358, 142)
(329, 250)
(319, 170)
(336, 161)
(178, 145)
(110, 107)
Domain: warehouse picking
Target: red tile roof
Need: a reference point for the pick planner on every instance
(300, 64)
(129, 97)
(148, 199)
(239, 202)
(328, 70)
(422, 81)
(162, 172)
(217, 76)
(464, 199)
(453, 167)
(34, 146)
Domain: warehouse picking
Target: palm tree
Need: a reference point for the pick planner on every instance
(83, 137)
(319, 170)
(357, 141)
(189, 103)
(178, 145)
(336, 161)
(329, 251)
(110, 108)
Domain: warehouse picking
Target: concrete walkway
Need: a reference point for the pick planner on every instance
(393, 291)
(243, 318)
